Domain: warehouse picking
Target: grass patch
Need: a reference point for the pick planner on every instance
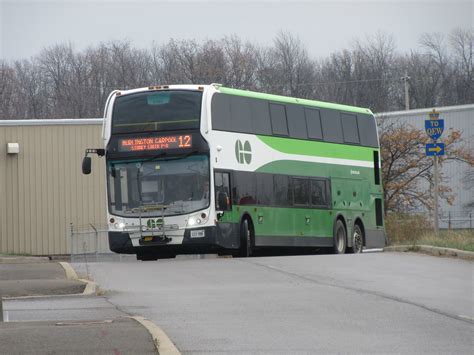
(413, 230)
(462, 239)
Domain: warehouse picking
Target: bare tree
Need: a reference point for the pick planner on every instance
(462, 42)
(373, 70)
(62, 82)
(241, 61)
(436, 49)
(7, 90)
(286, 67)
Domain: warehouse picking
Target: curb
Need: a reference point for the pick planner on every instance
(91, 287)
(70, 272)
(163, 344)
(434, 251)
(89, 290)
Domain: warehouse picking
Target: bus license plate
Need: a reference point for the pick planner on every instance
(198, 233)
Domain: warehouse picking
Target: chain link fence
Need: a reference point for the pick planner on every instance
(450, 220)
(457, 220)
(91, 243)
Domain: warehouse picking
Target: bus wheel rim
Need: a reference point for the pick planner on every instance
(357, 240)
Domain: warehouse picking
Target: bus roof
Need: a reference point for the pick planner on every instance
(292, 100)
(257, 95)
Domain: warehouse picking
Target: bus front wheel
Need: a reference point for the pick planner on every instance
(340, 238)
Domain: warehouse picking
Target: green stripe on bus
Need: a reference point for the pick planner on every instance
(318, 149)
(301, 168)
(291, 100)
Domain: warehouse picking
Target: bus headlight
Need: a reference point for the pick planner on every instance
(197, 219)
(119, 225)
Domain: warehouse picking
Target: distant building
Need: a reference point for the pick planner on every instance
(460, 118)
(42, 189)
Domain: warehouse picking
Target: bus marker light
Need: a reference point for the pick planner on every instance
(111, 220)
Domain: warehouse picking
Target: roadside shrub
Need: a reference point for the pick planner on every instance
(404, 228)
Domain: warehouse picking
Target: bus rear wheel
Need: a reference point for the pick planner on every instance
(246, 239)
(340, 238)
(357, 240)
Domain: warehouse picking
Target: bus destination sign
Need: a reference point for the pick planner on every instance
(155, 143)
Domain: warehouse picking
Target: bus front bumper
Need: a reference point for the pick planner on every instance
(197, 240)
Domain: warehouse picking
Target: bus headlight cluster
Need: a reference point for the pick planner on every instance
(197, 219)
(118, 223)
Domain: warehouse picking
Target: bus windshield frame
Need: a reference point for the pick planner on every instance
(181, 184)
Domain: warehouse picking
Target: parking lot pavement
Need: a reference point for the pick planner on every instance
(63, 325)
(113, 336)
(36, 277)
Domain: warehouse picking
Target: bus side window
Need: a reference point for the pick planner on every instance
(222, 191)
(301, 191)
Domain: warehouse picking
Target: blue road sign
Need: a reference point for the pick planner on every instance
(434, 149)
(434, 128)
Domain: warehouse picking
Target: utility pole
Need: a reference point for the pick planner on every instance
(406, 80)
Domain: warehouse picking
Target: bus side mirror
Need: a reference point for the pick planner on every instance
(86, 165)
(86, 162)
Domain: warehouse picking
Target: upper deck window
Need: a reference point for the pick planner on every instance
(350, 129)
(157, 111)
(260, 116)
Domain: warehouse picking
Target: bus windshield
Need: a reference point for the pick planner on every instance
(156, 111)
(179, 184)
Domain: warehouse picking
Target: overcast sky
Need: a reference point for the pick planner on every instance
(323, 26)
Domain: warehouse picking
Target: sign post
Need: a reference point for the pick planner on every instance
(434, 127)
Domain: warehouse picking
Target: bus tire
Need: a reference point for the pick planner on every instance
(357, 240)
(246, 239)
(340, 238)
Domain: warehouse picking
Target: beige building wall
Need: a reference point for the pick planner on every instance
(43, 190)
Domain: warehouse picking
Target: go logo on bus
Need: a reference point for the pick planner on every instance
(243, 152)
(154, 223)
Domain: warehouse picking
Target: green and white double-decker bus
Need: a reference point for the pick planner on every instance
(196, 169)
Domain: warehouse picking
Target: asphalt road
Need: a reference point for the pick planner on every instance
(371, 303)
